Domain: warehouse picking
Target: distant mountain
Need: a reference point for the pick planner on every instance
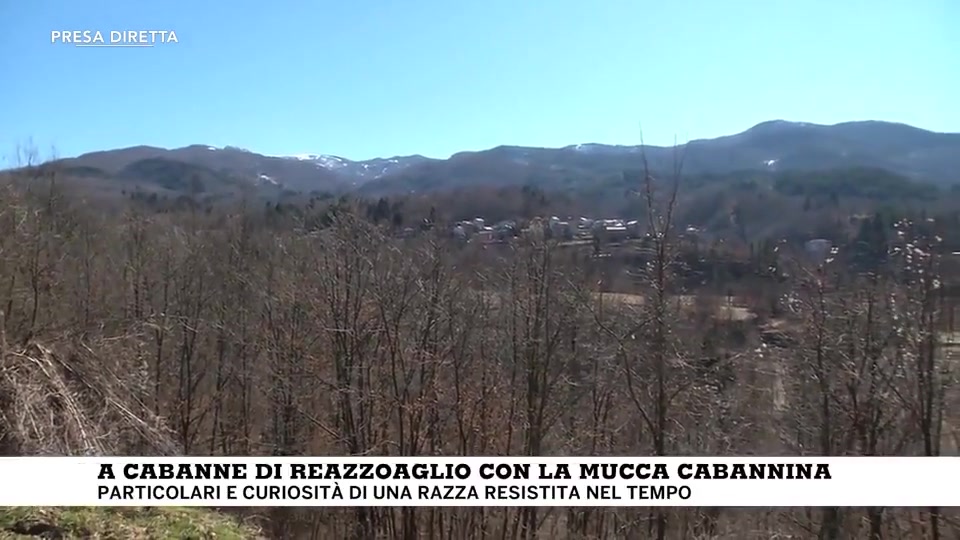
(225, 169)
(148, 168)
(770, 146)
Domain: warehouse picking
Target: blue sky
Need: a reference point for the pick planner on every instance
(367, 78)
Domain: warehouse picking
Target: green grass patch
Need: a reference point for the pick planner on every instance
(21, 522)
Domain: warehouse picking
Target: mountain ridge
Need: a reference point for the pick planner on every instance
(774, 145)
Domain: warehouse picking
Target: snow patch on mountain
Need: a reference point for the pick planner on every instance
(597, 148)
(321, 160)
(366, 170)
(303, 157)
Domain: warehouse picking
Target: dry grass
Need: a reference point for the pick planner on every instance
(75, 404)
(121, 523)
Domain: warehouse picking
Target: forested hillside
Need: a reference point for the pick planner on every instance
(308, 327)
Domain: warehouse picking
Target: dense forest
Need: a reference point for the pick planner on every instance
(152, 326)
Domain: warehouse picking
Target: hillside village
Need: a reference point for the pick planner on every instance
(598, 232)
(605, 230)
